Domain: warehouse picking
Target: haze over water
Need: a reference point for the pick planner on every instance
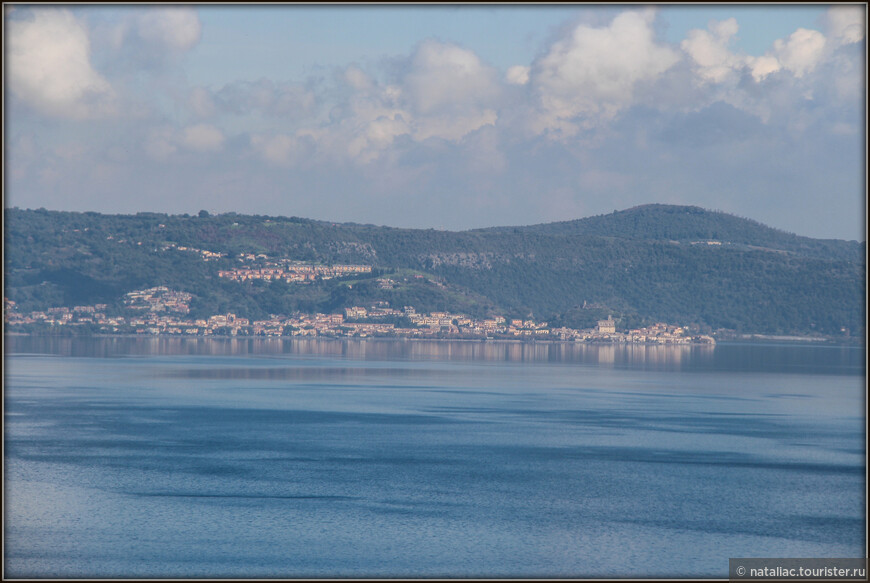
(207, 458)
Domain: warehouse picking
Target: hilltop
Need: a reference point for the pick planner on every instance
(678, 264)
(686, 224)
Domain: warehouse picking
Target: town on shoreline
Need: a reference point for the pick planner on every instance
(161, 311)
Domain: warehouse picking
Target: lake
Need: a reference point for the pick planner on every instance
(190, 457)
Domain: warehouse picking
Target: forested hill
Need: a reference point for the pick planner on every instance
(660, 222)
(678, 264)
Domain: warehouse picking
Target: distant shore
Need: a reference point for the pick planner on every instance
(737, 339)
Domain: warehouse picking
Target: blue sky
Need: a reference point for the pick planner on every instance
(451, 117)
(501, 35)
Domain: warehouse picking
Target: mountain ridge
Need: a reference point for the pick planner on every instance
(695, 223)
(680, 264)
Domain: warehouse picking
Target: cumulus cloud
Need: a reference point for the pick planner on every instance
(445, 76)
(713, 60)
(445, 116)
(597, 113)
(441, 91)
(592, 74)
(448, 91)
(365, 127)
(801, 52)
(49, 66)
(380, 131)
(846, 23)
(761, 67)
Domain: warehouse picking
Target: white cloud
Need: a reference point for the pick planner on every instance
(368, 130)
(448, 77)
(518, 75)
(440, 122)
(713, 60)
(445, 92)
(846, 23)
(202, 138)
(801, 52)
(592, 74)
(762, 66)
(381, 131)
(449, 91)
(359, 128)
(49, 66)
(803, 64)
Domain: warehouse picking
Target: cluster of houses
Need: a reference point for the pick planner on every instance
(158, 299)
(60, 316)
(163, 311)
(291, 271)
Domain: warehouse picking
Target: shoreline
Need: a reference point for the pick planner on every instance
(744, 339)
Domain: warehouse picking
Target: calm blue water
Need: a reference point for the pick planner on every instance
(208, 458)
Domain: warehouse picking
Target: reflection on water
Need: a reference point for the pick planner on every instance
(849, 360)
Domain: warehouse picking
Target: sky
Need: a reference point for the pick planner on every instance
(440, 116)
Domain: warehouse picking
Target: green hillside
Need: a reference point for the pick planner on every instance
(659, 222)
(683, 265)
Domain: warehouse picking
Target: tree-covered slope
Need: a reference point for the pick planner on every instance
(686, 224)
(657, 262)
